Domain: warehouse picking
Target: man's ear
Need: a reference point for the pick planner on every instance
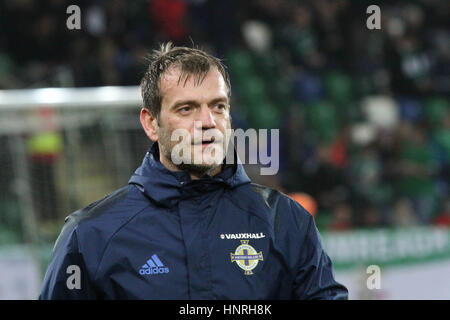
(150, 124)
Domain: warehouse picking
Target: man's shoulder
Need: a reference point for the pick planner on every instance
(273, 197)
(111, 209)
(281, 206)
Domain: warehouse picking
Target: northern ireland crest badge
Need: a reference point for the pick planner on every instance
(246, 257)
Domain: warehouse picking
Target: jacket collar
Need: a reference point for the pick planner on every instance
(168, 187)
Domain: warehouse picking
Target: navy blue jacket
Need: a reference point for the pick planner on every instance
(164, 236)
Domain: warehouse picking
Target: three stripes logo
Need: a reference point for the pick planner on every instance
(153, 266)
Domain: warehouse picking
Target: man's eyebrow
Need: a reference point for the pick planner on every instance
(196, 103)
(184, 102)
(220, 99)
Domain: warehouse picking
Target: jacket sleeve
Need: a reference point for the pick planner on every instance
(67, 277)
(315, 278)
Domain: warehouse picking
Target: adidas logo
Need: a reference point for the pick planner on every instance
(153, 266)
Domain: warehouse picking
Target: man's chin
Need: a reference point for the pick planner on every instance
(198, 169)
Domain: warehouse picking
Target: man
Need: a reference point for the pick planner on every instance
(189, 225)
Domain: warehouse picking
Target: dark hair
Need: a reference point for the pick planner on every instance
(189, 60)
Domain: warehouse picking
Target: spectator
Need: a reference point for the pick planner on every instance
(313, 62)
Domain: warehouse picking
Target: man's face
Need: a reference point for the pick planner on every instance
(199, 115)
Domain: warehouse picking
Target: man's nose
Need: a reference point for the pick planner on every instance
(206, 117)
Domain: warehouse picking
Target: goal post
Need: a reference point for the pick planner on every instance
(108, 97)
(63, 148)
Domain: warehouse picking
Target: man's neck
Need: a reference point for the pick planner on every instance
(211, 173)
(194, 175)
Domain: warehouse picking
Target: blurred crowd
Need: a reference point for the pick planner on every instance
(364, 115)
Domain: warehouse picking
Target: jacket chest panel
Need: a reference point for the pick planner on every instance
(218, 252)
(151, 253)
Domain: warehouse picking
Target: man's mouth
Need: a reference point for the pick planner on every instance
(206, 142)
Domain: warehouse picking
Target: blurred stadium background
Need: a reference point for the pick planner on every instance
(364, 118)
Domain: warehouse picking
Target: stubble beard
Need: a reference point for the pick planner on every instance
(198, 169)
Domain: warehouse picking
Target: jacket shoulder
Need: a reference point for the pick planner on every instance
(282, 207)
(84, 219)
(98, 207)
(81, 242)
(88, 230)
(274, 198)
(294, 226)
(100, 220)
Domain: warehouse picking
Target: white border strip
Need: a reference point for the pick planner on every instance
(110, 96)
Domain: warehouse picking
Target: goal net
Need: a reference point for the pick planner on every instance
(63, 148)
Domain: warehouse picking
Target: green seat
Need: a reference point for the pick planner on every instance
(338, 87)
(252, 90)
(268, 65)
(415, 184)
(435, 110)
(264, 115)
(322, 120)
(442, 137)
(241, 65)
(363, 85)
(282, 93)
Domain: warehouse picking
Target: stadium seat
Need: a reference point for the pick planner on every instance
(338, 87)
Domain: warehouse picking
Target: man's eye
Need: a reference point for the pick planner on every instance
(185, 109)
(220, 106)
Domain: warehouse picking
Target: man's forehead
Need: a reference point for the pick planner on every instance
(173, 78)
(170, 77)
(174, 75)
